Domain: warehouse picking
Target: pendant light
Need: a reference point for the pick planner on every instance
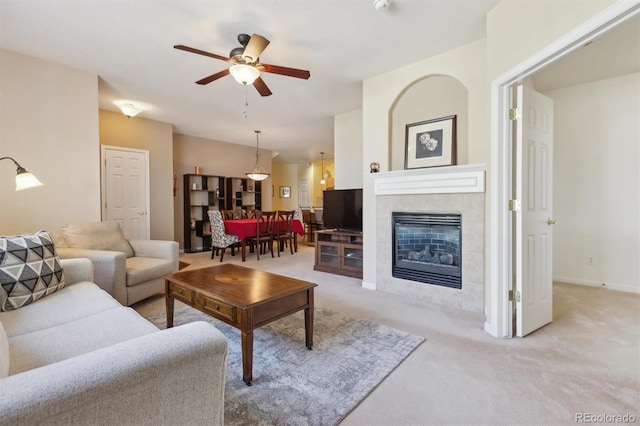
(322, 181)
(257, 173)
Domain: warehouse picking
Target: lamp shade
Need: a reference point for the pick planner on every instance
(244, 74)
(26, 180)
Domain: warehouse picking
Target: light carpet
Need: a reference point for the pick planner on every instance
(296, 386)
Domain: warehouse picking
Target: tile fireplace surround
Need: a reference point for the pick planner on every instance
(451, 189)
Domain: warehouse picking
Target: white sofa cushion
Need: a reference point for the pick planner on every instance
(44, 347)
(4, 353)
(29, 269)
(97, 236)
(142, 269)
(69, 304)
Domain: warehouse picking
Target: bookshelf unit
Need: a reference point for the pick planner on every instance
(243, 194)
(201, 193)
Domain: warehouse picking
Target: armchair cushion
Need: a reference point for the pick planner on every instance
(29, 269)
(142, 269)
(97, 236)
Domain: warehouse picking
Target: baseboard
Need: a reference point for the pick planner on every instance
(368, 286)
(591, 283)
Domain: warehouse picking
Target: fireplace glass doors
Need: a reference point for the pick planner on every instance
(427, 248)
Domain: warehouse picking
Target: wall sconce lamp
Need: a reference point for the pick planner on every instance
(24, 179)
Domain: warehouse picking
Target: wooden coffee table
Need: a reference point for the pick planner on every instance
(243, 298)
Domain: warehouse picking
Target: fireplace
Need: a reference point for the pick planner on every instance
(427, 248)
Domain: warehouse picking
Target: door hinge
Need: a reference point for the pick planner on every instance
(514, 114)
(511, 294)
(514, 205)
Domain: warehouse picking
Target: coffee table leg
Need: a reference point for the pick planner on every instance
(247, 357)
(169, 302)
(308, 321)
(246, 328)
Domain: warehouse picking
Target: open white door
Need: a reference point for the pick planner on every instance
(534, 220)
(125, 190)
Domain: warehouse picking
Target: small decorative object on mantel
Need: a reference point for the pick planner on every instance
(431, 143)
(198, 170)
(374, 167)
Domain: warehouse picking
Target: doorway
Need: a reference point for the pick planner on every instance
(501, 247)
(125, 189)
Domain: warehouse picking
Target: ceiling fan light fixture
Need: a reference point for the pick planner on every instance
(244, 74)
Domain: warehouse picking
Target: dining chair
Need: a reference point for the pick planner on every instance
(250, 213)
(283, 229)
(219, 239)
(230, 214)
(264, 228)
(308, 221)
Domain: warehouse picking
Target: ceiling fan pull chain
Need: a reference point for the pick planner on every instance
(246, 102)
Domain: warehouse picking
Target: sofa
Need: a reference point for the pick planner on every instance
(129, 270)
(75, 356)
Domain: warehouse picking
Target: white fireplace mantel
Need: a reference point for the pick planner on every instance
(436, 180)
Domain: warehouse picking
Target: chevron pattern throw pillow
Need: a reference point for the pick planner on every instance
(29, 269)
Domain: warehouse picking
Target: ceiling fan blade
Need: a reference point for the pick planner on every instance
(289, 72)
(200, 52)
(213, 77)
(255, 47)
(261, 87)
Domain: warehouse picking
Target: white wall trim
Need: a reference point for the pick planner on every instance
(437, 180)
(499, 319)
(591, 283)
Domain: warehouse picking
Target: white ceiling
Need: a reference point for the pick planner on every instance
(129, 45)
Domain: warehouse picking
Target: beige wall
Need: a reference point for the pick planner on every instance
(347, 142)
(215, 158)
(285, 175)
(432, 97)
(596, 200)
(157, 138)
(49, 124)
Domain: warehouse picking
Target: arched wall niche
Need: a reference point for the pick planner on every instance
(431, 97)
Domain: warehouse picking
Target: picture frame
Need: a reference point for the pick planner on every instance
(285, 192)
(430, 143)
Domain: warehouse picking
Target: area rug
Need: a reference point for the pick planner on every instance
(296, 386)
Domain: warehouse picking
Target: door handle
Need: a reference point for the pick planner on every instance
(142, 213)
(551, 222)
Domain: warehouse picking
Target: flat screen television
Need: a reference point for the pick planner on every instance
(342, 210)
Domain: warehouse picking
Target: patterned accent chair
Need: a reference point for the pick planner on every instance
(219, 239)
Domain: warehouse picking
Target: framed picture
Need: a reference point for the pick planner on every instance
(431, 143)
(285, 192)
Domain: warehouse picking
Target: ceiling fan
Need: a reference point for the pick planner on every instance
(245, 66)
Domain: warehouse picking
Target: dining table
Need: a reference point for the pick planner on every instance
(244, 228)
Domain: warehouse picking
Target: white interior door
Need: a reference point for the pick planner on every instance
(304, 197)
(534, 187)
(125, 190)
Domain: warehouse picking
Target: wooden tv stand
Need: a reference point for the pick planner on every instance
(339, 252)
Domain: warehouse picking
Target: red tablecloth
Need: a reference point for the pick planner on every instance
(244, 228)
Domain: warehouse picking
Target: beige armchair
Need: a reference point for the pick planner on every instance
(129, 270)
